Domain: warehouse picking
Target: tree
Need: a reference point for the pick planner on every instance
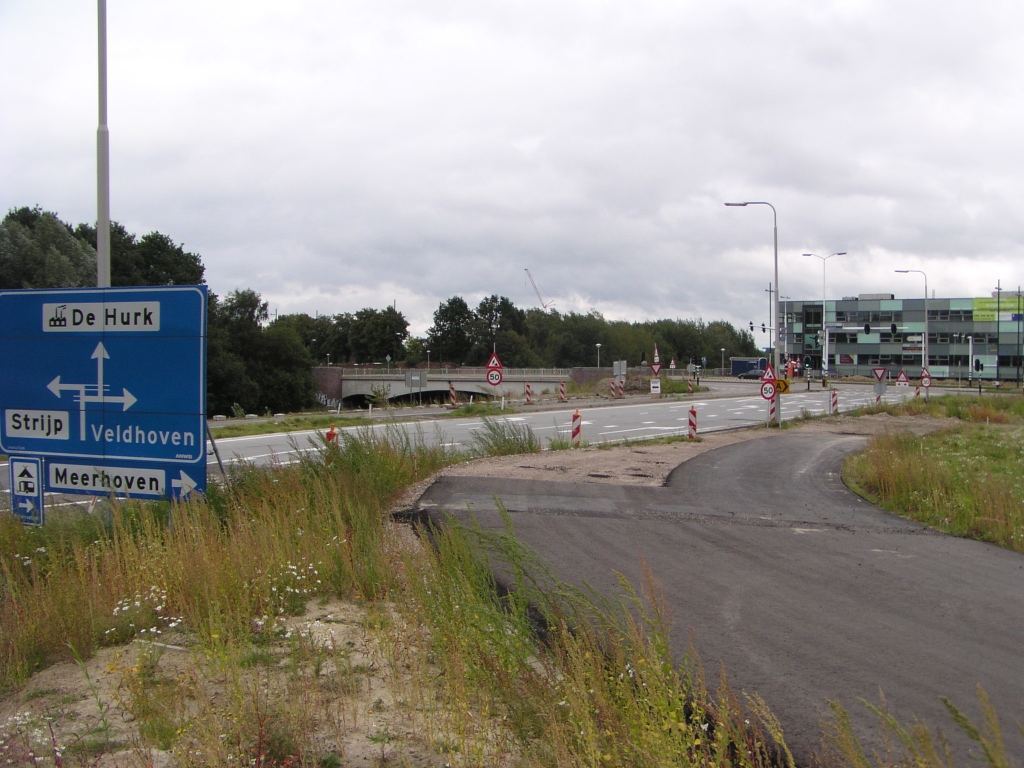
(261, 369)
(376, 334)
(153, 260)
(38, 250)
(450, 334)
(493, 317)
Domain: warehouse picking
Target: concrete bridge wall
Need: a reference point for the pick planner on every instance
(351, 385)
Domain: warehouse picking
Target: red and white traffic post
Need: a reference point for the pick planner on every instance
(835, 401)
(622, 386)
(529, 393)
(561, 392)
(453, 399)
(693, 423)
(577, 429)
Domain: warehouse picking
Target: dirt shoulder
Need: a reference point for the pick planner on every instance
(651, 463)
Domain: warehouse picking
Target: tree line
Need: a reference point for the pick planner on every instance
(256, 364)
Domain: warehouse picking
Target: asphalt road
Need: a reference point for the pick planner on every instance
(635, 419)
(801, 589)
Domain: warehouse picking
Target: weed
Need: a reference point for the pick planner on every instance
(501, 437)
(968, 481)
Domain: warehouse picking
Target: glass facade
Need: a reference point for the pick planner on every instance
(862, 336)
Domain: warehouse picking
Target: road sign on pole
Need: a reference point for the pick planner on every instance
(769, 373)
(926, 379)
(109, 385)
(879, 373)
(656, 368)
(768, 390)
(26, 484)
(494, 361)
(494, 376)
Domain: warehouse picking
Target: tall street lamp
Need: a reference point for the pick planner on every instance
(722, 350)
(775, 219)
(824, 327)
(785, 328)
(924, 341)
(598, 345)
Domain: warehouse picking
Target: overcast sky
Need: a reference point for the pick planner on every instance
(336, 155)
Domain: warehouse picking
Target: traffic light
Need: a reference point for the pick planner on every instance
(978, 365)
(751, 326)
(867, 328)
(893, 329)
(807, 361)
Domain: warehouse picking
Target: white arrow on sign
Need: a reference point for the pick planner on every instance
(28, 506)
(127, 399)
(185, 484)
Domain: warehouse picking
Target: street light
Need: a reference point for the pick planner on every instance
(924, 341)
(785, 328)
(723, 360)
(824, 326)
(775, 219)
(598, 345)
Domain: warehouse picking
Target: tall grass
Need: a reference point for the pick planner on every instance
(994, 409)
(500, 437)
(603, 688)
(269, 540)
(965, 482)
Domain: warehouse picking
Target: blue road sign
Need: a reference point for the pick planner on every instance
(109, 385)
(26, 476)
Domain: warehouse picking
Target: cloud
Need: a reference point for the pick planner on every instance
(327, 154)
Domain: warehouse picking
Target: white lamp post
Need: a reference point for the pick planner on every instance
(598, 345)
(775, 219)
(824, 327)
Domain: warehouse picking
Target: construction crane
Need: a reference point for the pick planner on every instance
(537, 291)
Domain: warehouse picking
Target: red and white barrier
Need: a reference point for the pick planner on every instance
(773, 406)
(529, 393)
(835, 401)
(614, 390)
(453, 398)
(917, 391)
(689, 386)
(693, 424)
(577, 429)
(561, 392)
(622, 386)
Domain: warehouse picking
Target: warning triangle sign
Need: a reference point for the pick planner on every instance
(769, 373)
(657, 359)
(902, 378)
(494, 362)
(880, 373)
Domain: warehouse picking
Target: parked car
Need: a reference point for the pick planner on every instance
(753, 373)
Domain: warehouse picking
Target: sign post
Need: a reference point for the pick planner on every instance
(26, 484)
(106, 388)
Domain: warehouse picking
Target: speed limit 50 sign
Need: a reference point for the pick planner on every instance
(494, 377)
(768, 390)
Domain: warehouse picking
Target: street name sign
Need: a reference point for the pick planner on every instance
(108, 386)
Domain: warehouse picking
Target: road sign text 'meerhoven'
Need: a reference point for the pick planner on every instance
(103, 316)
